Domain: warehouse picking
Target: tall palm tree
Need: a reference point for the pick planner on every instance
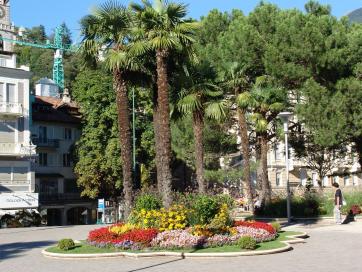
(106, 36)
(265, 101)
(201, 99)
(165, 31)
(238, 82)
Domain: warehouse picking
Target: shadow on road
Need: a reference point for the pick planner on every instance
(14, 250)
(155, 265)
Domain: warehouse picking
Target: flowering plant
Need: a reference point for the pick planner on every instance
(256, 225)
(172, 239)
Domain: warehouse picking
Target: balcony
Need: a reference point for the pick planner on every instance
(11, 109)
(47, 143)
(60, 197)
(16, 149)
(15, 185)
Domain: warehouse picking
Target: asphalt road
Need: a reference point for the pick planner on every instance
(329, 248)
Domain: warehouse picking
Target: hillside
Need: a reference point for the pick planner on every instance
(356, 15)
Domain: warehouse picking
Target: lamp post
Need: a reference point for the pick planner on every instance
(285, 117)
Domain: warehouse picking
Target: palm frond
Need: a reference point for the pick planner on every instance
(216, 110)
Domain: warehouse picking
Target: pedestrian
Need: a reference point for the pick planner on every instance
(338, 202)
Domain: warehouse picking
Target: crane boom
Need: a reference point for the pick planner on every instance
(58, 46)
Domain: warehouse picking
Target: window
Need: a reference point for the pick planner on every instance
(346, 180)
(10, 93)
(335, 179)
(314, 178)
(276, 152)
(67, 133)
(325, 181)
(303, 177)
(2, 98)
(66, 160)
(43, 159)
(278, 181)
(43, 135)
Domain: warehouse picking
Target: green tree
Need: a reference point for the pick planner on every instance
(98, 164)
(165, 31)
(107, 29)
(201, 99)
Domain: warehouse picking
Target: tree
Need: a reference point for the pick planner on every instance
(98, 165)
(201, 99)
(107, 29)
(265, 101)
(165, 31)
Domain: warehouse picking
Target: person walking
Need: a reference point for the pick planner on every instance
(338, 202)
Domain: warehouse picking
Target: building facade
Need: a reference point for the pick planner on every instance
(17, 179)
(55, 130)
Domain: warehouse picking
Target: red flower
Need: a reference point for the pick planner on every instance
(255, 225)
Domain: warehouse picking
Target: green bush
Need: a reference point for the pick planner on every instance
(276, 226)
(204, 209)
(247, 242)
(226, 199)
(66, 244)
(148, 202)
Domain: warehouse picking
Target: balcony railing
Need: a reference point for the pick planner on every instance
(16, 149)
(60, 197)
(11, 109)
(42, 142)
(15, 182)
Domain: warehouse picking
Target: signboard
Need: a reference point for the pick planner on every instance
(19, 200)
(101, 204)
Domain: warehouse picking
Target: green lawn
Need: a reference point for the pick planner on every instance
(86, 249)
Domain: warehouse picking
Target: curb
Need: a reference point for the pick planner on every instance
(295, 239)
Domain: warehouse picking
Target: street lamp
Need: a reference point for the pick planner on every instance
(285, 117)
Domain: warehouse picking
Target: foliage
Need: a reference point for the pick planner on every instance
(247, 242)
(276, 226)
(66, 244)
(98, 164)
(147, 202)
(122, 228)
(204, 208)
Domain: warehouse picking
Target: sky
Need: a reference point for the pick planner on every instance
(51, 13)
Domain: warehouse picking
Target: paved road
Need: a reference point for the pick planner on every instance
(329, 248)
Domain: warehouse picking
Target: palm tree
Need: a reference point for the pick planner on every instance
(239, 83)
(201, 99)
(165, 30)
(266, 100)
(106, 35)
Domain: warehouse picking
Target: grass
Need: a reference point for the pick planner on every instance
(86, 249)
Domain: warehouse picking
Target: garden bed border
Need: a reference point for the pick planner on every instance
(294, 239)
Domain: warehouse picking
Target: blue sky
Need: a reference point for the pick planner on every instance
(51, 13)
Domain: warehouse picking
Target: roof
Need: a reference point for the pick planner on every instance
(51, 109)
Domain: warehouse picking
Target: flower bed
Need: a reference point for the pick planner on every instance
(127, 236)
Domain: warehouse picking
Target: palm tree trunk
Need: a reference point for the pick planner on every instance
(198, 124)
(124, 138)
(163, 127)
(246, 157)
(157, 140)
(265, 184)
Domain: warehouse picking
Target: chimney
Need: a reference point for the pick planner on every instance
(66, 96)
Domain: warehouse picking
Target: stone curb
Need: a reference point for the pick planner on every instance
(295, 239)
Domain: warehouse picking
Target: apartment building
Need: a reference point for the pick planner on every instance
(17, 179)
(55, 129)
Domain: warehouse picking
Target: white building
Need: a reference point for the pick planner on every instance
(55, 130)
(17, 181)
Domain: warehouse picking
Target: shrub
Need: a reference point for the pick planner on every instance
(247, 242)
(221, 221)
(276, 226)
(147, 202)
(66, 244)
(204, 209)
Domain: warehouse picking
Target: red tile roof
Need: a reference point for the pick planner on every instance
(51, 109)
